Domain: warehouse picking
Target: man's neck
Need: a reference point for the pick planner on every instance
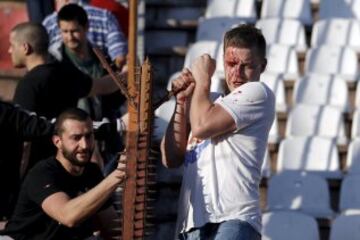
(82, 53)
(68, 166)
(34, 61)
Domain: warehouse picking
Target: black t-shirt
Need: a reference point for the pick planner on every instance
(16, 126)
(46, 178)
(49, 89)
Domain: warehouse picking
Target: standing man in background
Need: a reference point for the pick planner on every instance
(104, 31)
(221, 144)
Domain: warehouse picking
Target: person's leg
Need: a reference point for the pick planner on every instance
(192, 235)
(236, 230)
(203, 233)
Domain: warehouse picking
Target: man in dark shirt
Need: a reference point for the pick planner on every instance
(62, 197)
(16, 126)
(49, 88)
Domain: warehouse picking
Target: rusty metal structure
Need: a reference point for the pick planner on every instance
(140, 170)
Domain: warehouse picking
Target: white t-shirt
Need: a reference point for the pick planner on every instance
(221, 176)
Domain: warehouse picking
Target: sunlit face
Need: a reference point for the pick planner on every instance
(73, 35)
(242, 65)
(76, 142)
(16, 51)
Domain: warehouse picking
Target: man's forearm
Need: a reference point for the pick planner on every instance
(174, 143)
(200, 108)
(71, 212)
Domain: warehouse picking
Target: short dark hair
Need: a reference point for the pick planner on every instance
(246, 36)
(73, 12)
(34, 34)
(71, 113)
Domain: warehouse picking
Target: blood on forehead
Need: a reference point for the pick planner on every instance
(239, 55)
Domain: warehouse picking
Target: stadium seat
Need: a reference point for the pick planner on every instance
(339, 9)
(266, 168)
(287, 32)
(350, 194)
(353, 157)
(282, 60)
(320, 121)
(274, 134)
(163, 42)
(355, 127)
(289, 225)
(162, 118)
(299, 191)
(322, 90)
(292, 9)
(311, 154)
(276, 83)
(357, 96)
(246, 9)
(341, 61)
(214, 28)
(345, 227)
(11, 13)
(338, 32)
(199, 48)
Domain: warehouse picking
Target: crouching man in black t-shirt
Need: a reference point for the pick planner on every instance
(62, 197)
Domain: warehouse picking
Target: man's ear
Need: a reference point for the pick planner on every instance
(263, 65)
(27, 48)
(56, 141)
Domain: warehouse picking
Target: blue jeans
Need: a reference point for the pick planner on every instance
(228, 230)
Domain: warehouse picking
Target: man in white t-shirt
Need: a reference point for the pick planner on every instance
(222, 143)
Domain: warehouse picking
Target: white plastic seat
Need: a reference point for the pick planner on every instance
(353, 157)
(312, 120)
(299, 191)
(311, 154)
(292, 9)
(341, 61)
(266, 166)
(355, 127)
(289, 225)
(287, 32)
(214, 28)
(339, 9)
(357, 96)
(246, 9)
(199, 48)
(274, 135)
(282, 60)
(345, 227)
(338, 32)
(350, 194)
(276, 83)
(162, 118)
(322, 90)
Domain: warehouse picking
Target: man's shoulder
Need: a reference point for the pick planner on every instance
(258, 90)
(96, 11)
(44, 164)
(50, 19)
(38, 74)
(41, 169)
